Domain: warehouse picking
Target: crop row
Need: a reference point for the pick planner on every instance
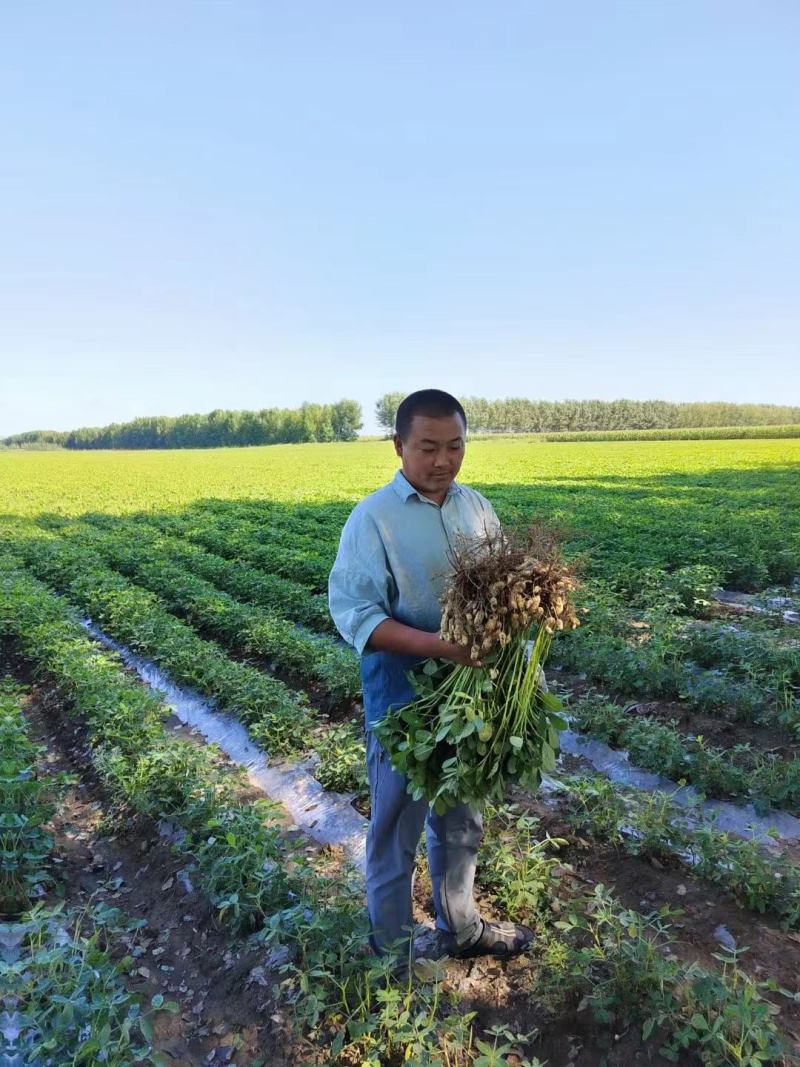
(665, 504)
(740, 651)
(654, 666)
(665, 665)
(315, 531)
(747, 650)
(655, 825)
(249, 871)
(284, 597)
(525, 872)
(754, 689)
(155, 773)
(63, 998)
(277, 716)
(242, 627)
(248, 541)
(765, 778)
(308, 524)
(26, 806)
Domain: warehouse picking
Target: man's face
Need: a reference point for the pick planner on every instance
(432, 453)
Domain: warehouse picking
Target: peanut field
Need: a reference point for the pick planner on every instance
(159, 907)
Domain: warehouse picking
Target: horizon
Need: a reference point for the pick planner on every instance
(237, 207)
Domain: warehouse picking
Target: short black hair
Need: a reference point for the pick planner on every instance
(434, 403)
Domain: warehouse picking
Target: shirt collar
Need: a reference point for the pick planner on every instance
(405, 489)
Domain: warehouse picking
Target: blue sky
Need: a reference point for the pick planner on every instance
(255, 204)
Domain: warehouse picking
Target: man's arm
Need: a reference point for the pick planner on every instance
(393, 636)
(360, 585)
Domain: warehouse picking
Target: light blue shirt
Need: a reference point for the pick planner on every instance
(393, 557)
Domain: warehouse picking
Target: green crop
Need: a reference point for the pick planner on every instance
(27, 803)
(342, 760)
(65, 996)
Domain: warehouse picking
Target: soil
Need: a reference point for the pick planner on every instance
(716, 729)
(503, 994)
(645, 884)
(721, 732)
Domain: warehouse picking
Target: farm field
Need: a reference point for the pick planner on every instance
(662, 937)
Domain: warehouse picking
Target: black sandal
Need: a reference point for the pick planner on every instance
(503, 940)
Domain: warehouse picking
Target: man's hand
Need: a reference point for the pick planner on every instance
(457, 654)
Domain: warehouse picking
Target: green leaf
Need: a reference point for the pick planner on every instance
(551, 702)
(515, 742)
(548, 758)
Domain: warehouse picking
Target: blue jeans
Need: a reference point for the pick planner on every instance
(396, 825)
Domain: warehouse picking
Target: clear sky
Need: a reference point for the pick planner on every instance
(235, 204)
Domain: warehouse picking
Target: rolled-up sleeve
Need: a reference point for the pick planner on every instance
(360, 586)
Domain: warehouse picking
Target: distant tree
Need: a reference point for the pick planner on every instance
(386, 410)
(347, 420)
(476, 408)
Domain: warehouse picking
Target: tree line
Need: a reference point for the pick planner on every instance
(269, 426)
(36, 439)
(518, 415)
(343, 420)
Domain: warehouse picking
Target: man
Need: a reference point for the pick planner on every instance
(384, 594)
